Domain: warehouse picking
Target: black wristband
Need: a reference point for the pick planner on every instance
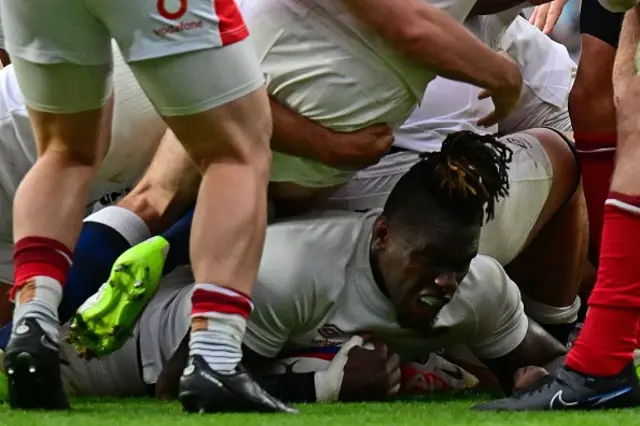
(290, 387)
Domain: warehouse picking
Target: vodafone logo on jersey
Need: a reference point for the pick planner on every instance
(174, 10)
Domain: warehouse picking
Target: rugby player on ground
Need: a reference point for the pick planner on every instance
(414, 286)
(543, 176)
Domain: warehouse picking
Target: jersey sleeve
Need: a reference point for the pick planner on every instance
(501, 323)
(284, 297)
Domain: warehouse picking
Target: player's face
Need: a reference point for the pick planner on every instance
(421, 279)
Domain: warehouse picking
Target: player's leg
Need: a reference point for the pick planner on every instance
(599, 371)
(608, 339)
(166, 190)
(548, 265)
(220, 112)
(72, 133)
(592, 109)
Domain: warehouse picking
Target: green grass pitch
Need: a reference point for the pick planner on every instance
(419, 413)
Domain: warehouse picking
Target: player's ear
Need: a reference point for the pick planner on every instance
(380, 233)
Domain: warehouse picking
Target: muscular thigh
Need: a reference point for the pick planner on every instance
(136, 129)
(530, 180)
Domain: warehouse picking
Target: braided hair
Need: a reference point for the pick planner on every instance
(468, 174)
(471, 166)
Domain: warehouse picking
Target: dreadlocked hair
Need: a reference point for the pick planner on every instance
(467, 174)
(470, 167)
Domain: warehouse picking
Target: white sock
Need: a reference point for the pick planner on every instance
(546, 314)
(39, 298)
(217, 336)
(125, 222)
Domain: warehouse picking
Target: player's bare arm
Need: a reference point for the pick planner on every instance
(358, 375)
(432, 38)
(296, 135)
(624, 67)
(538, 349)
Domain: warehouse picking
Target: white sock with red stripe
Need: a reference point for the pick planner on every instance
(218, 322)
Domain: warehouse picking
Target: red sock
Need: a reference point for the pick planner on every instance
(596, 153)
(607, 341)
(39, 256)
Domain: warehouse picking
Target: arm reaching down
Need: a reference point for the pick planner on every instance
(505, 339)
(433, 39)
(538, 349)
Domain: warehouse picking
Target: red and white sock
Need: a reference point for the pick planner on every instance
(218, 322)
(41, 267)
(607, 341)
(596, 153)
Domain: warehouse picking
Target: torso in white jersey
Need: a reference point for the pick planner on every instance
(136, 132)
(314, 289)
(322, 63)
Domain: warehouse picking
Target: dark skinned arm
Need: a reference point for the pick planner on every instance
(538, 348)
(4, 58)
(290, 387)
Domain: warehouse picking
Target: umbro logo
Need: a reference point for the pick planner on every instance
(22, 329)
(330, 331)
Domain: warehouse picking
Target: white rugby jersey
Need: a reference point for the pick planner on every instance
(136, 133)
(321, 62)
(546, 65)
(450, 106)
(315, 288)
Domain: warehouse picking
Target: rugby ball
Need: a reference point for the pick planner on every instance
(435, 374)
(307, 360)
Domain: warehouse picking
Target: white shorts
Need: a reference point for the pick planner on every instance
(190, 56)
(115, 375)
(530, 178)
(532, 112)
(80, 31)
(127, 372)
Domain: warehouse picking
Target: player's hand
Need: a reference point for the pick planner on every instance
(359, 149)
(526, 377)
(371, 374)
(546, 16)
(506, 97)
